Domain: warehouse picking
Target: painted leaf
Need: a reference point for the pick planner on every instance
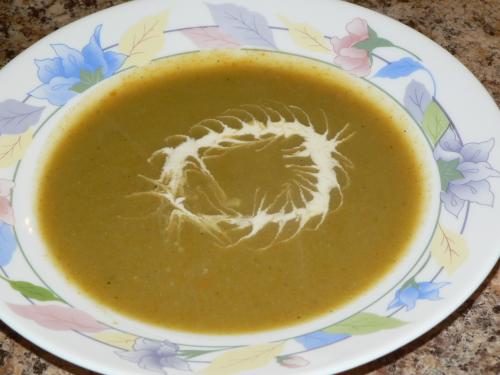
(246, 358)
(143, 40)
(32, 291)
(58, 318)
(364, 323)
(417, 99)
(307, 37)
(118, 339)
(370, 44)
(188, 353)
(87, 80)
(435, 122)
(13, 147)
(449, 249)
(448, 172)
(400, 68)
(8, 243)
(6, 212)
(243, 25)
(16, 117)
(374, 41)
(210, 37)
(319, 339)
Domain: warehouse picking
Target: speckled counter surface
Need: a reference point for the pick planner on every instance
(468, 342)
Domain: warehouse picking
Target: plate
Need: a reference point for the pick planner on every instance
(53, 75)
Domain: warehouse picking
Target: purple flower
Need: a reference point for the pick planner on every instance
(412, 291)
(72, 71)
(464, 171)
(155, 355)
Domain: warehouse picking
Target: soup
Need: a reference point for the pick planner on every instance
(229, 192)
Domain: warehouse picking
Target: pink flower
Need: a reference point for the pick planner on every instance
(59, 318)
(6, 213)
(293, 361)
(5, 187)
(352, 59)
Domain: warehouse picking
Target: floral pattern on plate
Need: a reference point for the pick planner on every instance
(464, 168)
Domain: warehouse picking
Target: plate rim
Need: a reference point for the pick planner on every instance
(438, 317)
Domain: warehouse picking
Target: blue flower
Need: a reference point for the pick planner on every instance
(155, 355)
(72, 71)
(8, 243)
(412, 291)
(319, 339)
(464, 172)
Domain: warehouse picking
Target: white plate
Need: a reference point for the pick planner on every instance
(447, 103)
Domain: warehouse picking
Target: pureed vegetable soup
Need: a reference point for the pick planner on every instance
(228, 192)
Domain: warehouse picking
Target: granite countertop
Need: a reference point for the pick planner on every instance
(467, 342)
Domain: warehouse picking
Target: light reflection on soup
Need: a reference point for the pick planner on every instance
(270, 212)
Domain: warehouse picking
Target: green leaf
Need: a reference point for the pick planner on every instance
(372, 34)
(33, 291)
(435, 122)
(448, 172)
(88, 79)
(409, 284)
(372, 43)
(188, 354)
(364, 323)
